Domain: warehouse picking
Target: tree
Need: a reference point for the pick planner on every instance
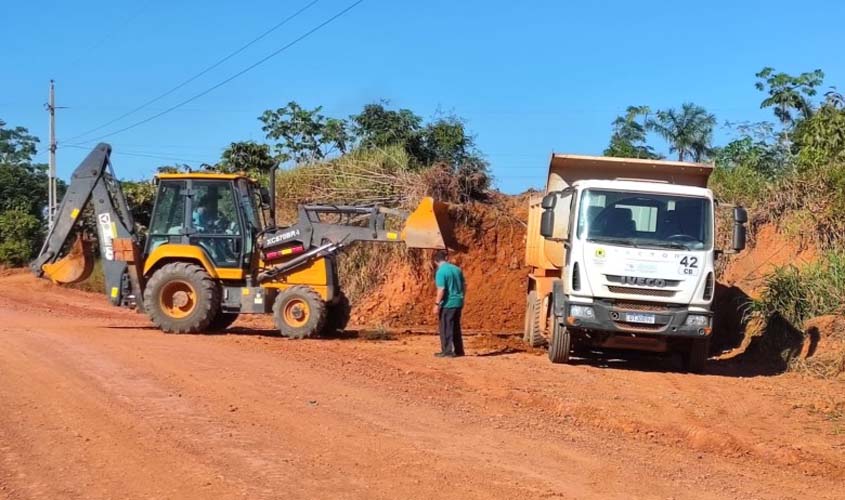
(788, 94)
(304, 135)
(820, 139)
(20, 234)
(23, 196)
(247, 156)
(629, 135)
(378, 127)
(689, 131)
(140, 196)
(16, 145)
(445, 140)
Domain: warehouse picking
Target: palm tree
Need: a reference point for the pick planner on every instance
(689, 131)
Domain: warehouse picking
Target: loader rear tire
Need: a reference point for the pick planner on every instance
(222, 321)
(561, 344)
(337, 316)
(182, 298)
(299, 312)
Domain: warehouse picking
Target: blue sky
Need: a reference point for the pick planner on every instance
(528, 77)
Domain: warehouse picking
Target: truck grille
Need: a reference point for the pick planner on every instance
(641, 291)
(638, 327)
(640, 306)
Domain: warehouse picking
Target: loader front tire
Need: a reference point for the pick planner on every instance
(299, 312)
(182, 298)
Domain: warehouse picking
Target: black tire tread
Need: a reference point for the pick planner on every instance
(208, 302)
(560, 345)
(535, 330)
(695, 358)
(316, 304)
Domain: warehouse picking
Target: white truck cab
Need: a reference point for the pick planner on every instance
(622, 255)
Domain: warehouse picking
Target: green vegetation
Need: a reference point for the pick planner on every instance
(798, 294)
(23, 196)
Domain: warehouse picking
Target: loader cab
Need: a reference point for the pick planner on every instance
(220, 213)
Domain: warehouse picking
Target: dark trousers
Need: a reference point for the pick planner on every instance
(451, 340)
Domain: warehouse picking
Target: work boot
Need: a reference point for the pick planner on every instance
(444, 355)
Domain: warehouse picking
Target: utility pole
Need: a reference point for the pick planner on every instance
(51, 174)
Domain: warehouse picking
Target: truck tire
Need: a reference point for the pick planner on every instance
(530, 300)
(222, 321)
(337, 316)
(561, 343)
(533, 324)
(695, 357)
(299, 312)
(182, 298)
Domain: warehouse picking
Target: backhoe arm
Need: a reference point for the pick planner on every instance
(66, 261)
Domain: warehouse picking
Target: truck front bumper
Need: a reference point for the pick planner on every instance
(641, 318)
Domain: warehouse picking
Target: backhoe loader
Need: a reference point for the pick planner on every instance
(213, 250)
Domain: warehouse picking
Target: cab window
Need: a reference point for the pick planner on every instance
(216, 226)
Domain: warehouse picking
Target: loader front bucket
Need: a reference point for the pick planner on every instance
(427, 225)
(76, 266)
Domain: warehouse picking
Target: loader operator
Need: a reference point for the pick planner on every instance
(448, 305)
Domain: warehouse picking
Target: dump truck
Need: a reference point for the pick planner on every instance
(213, 249)
(621, 255)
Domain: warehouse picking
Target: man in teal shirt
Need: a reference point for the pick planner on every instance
(448, 305)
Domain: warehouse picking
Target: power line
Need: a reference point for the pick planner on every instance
(236, 75)
(201, 73)
(145, 155)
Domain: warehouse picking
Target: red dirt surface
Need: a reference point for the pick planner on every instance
(771, 249)
(97, 404)
(490, 250)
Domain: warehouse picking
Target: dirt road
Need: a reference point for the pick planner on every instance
(96, 404)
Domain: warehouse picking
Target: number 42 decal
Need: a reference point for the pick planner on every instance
(689, 266)
(691, 262)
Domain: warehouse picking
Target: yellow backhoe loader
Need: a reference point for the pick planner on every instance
(213, 250)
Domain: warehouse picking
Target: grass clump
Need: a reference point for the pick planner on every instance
(792, 296)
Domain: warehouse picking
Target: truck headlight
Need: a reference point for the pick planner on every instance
(697, 321)
(583, 312)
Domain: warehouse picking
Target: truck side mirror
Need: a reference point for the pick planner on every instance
(739, 235)
(549, 201)
(547, 221)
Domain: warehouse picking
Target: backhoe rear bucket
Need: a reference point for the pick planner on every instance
(426, 226)
(76, 266)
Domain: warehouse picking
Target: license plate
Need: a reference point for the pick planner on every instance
(639, 318)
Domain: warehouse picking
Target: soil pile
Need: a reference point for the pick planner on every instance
(823, 351)
(489, 247)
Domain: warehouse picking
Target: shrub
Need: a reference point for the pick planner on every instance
(20, 233)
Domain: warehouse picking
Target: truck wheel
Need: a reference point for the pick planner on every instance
(182, 298)
(222, 321)
(534, 330)
(337, 315)
(695, 357)
(299, 312)
(561, 344)
(529, 315)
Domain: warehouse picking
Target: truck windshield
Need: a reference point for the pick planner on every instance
(645, 219)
